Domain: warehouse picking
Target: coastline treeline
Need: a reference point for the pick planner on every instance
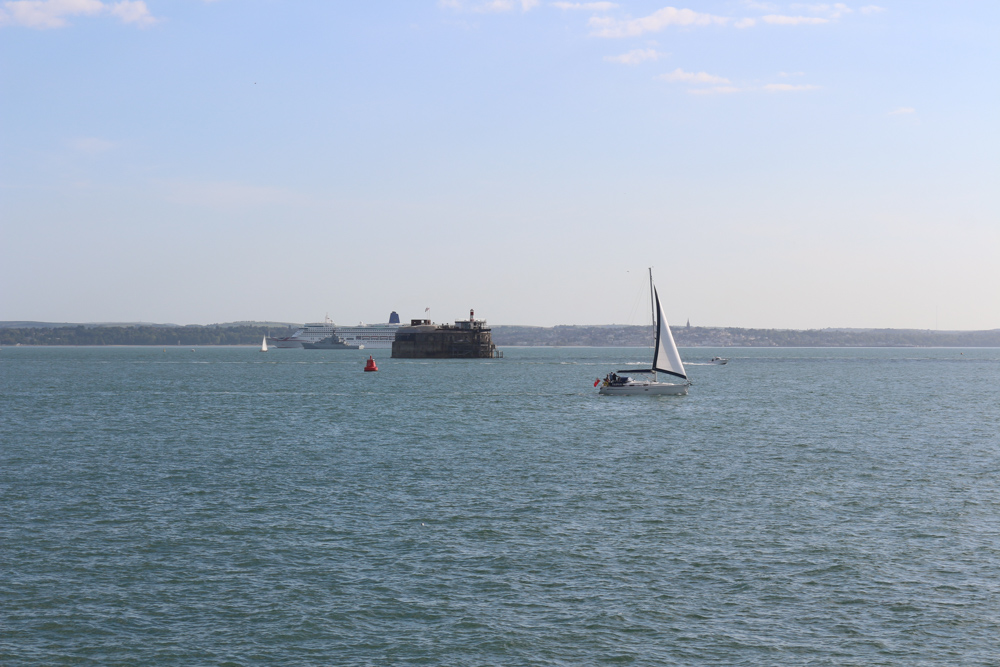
(642, 336)
(512, 336)
(139, 335)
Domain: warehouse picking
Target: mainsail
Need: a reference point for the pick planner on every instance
(666, 358)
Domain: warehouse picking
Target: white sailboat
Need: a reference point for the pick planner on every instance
(263, 345)
(666, 359)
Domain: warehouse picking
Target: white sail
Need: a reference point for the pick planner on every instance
(666, 358)
(263, 344)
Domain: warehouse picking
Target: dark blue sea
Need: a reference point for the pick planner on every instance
(227, 507)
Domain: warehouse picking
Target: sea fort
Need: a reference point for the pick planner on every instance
(466, 339)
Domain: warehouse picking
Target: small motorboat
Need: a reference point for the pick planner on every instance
(718, 361)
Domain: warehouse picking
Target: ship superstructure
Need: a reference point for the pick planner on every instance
(369, 335)
(309, 333)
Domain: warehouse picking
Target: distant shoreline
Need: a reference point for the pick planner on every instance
(560, 347)
(724, 337)
(239, 334)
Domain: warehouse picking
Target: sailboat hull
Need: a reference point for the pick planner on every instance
(645, 389)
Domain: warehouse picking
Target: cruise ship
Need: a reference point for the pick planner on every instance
(370, 335)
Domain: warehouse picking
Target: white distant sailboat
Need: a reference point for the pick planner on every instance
(666, 359)
(263, 345)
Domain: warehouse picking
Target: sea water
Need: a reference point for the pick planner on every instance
(223, 506)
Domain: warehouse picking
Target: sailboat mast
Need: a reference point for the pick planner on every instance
(656, 328)
(652, 306)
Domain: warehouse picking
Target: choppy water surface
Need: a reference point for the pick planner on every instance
(224, 506)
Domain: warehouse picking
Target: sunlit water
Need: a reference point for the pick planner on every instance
(223, 506)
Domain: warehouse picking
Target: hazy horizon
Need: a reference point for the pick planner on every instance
(446, 321)
(779, 165)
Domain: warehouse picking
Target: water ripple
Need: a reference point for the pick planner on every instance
(798, 507)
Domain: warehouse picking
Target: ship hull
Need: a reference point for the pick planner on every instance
(323, 345)
(284, 344)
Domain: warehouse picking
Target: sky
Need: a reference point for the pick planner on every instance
(777, 164)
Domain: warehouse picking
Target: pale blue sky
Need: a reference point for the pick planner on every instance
(778, 164)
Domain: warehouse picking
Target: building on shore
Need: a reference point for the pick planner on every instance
(466, 339)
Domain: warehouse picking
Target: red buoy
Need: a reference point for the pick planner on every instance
(370, 366)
